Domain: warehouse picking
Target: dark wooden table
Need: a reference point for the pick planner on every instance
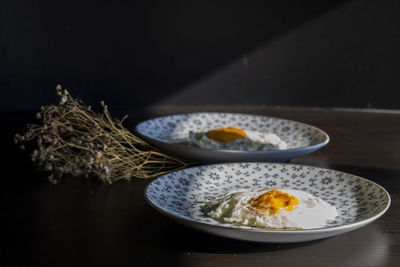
(82, 221)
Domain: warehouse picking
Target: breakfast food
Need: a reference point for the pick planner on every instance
(236, 139)
(271, 209)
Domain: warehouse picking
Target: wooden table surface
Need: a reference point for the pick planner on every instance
(83, 221)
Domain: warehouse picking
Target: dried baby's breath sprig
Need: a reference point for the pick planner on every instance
(73, 139)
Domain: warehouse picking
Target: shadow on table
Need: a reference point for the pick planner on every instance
(195, 241)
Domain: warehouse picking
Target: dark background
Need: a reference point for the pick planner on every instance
(135, 54)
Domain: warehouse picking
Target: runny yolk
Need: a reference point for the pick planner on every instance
(274, 200)
(225, 135)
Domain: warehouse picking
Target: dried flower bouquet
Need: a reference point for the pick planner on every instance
(73, 139)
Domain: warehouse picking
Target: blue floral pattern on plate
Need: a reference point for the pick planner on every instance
(171, 133)
(181, 194)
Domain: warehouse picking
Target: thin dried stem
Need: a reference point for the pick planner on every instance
(73, 139)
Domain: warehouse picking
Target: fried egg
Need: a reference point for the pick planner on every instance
(236, 139)
(271, 209)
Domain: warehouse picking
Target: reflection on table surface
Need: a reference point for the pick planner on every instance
(82, 220)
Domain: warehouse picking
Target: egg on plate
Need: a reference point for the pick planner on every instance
(271, 209)
(236, 139)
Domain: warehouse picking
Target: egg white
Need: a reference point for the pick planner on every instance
(254, 141)
(235, 208)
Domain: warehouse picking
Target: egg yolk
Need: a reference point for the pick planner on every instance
(225, 135)
(274, 200)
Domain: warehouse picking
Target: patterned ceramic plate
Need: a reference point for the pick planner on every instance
(180, 196)
(171, 134)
